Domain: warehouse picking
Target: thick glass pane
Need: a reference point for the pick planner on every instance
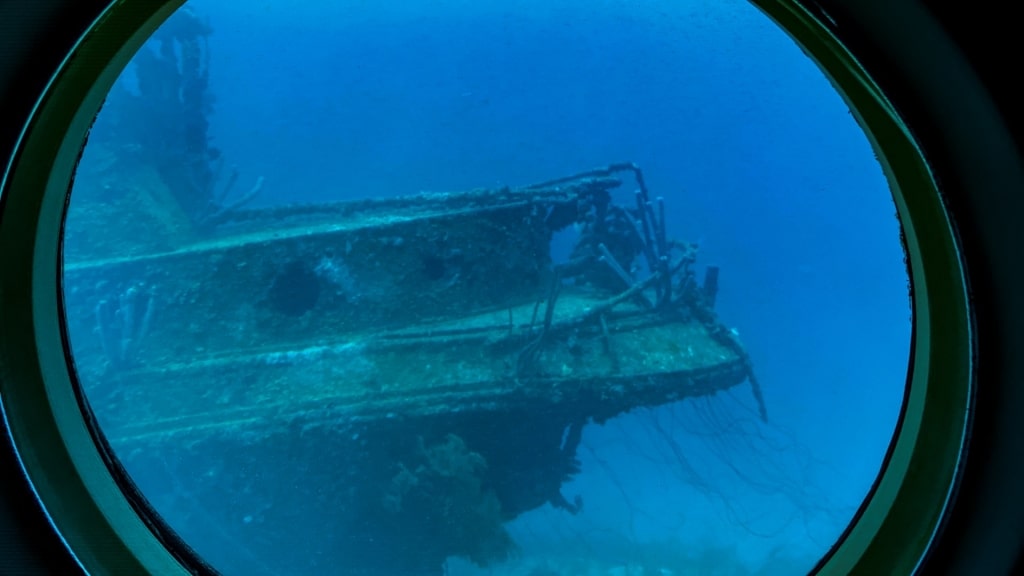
(508, 288)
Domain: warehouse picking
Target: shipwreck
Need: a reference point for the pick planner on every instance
(401, 376)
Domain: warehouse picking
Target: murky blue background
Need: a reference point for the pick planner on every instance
(758, 158)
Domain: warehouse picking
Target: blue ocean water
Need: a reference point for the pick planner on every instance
(758, 158)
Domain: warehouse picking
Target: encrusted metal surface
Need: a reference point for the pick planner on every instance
(424, 352)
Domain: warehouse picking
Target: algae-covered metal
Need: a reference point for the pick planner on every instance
(422, 357)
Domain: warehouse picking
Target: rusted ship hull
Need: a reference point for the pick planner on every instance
(388, 364)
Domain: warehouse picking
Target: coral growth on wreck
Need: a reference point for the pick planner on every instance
(442, 491)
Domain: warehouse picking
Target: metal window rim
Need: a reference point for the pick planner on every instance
(105, 530)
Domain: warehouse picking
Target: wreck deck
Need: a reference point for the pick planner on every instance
(437, 368)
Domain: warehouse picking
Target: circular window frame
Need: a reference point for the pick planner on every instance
(111, 530)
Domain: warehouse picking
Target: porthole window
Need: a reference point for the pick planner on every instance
(502, 288)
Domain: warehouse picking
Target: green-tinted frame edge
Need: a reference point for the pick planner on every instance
(890, 535)
(44, 416)
(898, 521)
